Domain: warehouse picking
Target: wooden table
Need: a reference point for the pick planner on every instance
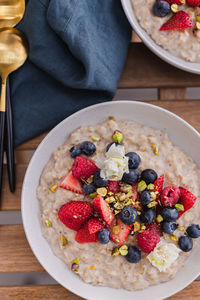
(142, 70)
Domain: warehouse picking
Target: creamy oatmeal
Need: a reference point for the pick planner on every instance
(96, 263)
(183, 43)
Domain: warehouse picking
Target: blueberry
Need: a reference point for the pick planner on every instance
(169, 227)
(98, 180)
(149, 176)
(134, 160)
(128, 215)
(75, 151)
(193, 231)
(161, 8)
(185, 243)
(145, 197)
(169, 213)
(89, 188)
(104, 236)
(88, 148)
(131, 177)
(134, 255)
(109, 145)
(148, 216)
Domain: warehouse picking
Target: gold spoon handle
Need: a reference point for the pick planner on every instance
(3, 96)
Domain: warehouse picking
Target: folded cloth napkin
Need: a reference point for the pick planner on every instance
(76, 56)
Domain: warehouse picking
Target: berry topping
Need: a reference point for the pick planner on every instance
(103, 209)
(185, 243)
(83, 168)
(72, 184)
(98, 180)
(193, 231)
(134, 255)
(180, 20)
(131, 177)
(154, 228)
(128, 215)
(145, 197)
(170, 196)
(148, 216)
(75, 213)
(133, 160)
(149, 176)
(113, 186)
(104, 236)
(147, 240)
(161, 9)
(95, 225)
(119, 231)
(158, 185)
(178, 2)
(84, 236)
(75, 151)
(169, 213)
(88, 148)
(89, 188)
(187, 199)
(169, 227)
(193, 2)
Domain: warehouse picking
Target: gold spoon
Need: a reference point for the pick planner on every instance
(11, 12)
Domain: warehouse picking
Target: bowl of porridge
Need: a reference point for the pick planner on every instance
(180, 48)
(110, 202)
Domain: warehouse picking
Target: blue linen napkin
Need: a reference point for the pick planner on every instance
(77, 53)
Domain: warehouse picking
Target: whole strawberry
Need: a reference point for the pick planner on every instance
(83, 168)
(75, 213)
(147, 240)
(180, 20)
(193, 2)
(84, 236)
(170, 196)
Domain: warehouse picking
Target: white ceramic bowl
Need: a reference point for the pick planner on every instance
(159, 51)
(179, 131)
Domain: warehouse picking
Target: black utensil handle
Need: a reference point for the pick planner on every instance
(2, 134)
(9, 140)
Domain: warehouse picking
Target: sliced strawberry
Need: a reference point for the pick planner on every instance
(180, 20)
(178, 2)
(84, 236)
(158, 186)
(72, 184)
(75, 213)
(154, 227)
(187, 199)
(95, 225)
(193, 2)
(103, 209)
(122, 229)
(113, 186)
(83, 168)
(135, 195)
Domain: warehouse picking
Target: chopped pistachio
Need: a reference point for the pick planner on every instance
(48, 223)
(136, 226)
(143, 227)
(115, 252)
(182, 228)
(179, 207)
(76, 261)
(153, 195)
(92, 267)
(64, 241)
(198, 18)
(174, 8)
(159, 219)
(123, 250)
(90, 179)
(95, 138)
(111, 118)
(139, 213)
(116, 229)
(122, 197)
(150, 187)
(117, 212)
(110, 199)
(93, 195)
(152, 204)
(102, 191)
(54, 187)
(74, 267)
(124, 187)
(118, 240)
(173, 237)
(141, 186)
(198, 25)
(117, 136)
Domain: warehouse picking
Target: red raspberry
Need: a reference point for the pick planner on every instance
(83, 168)
(113, 186)
(147, 240)
(170, 196)
(158, 186)
(154, 227)
(75, 213)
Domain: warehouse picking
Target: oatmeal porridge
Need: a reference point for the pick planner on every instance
(184, 43)
(116, 201)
